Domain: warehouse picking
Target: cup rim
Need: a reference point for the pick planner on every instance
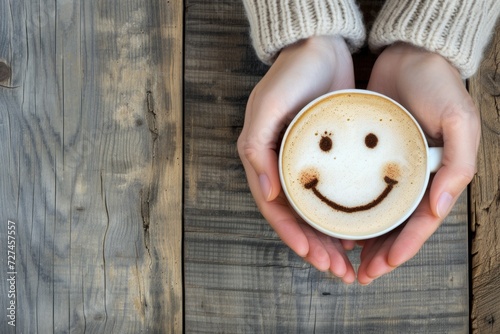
(322, 229)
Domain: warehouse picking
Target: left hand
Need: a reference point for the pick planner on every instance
(433, 91)
(302, 72)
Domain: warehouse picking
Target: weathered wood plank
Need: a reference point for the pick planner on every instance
(92, 164)
(485, 190)
(239, 277)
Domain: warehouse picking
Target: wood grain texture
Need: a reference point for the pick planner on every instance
(239, 277)
(485, 191)
(91, 134)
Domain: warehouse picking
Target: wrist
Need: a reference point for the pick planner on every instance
(278, 24)
(327, 56)
(457, 30)
(318, 44)
(412, 56)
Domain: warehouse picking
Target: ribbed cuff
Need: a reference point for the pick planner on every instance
(275, 24)
(458, 30)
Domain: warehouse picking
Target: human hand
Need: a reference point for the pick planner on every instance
(433, 91)
(301, 73)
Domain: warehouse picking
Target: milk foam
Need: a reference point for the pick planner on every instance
(343, 169)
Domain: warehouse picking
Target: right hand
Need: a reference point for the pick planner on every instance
(301, 72)
(432, 89)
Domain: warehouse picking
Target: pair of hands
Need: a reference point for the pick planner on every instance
(425, 83)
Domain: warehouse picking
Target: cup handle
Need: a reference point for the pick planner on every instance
(435, 158)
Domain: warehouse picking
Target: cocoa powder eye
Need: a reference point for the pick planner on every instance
(326, 143)
(371, 140)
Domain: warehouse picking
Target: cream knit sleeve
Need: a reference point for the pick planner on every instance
(275, 24)
(459, 30)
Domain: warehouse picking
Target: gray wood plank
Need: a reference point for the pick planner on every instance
(92, 165)
(239, 277)
(485, 213)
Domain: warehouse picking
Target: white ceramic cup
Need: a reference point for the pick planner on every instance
(308, 197)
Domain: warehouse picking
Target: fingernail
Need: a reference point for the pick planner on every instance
(265, 186)
(444, 204)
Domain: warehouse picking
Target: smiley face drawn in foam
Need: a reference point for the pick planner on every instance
(310, 181)
(351, 164)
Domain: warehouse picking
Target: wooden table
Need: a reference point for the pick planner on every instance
(130, 207)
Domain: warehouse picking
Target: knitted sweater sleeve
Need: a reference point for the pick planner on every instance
(275, 24)
(458, 30)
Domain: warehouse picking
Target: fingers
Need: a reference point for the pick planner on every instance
(385, 253)
(348, 244)
(340, 265)
(289, 230)
(374, 258)
(327, 253)
(422, 224)
(277, 213)
(321, 251)
(318, 256)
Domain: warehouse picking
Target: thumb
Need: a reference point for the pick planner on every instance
(257, 147)
(264, 162)
(461, 133)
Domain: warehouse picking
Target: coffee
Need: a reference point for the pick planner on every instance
(353, 164)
